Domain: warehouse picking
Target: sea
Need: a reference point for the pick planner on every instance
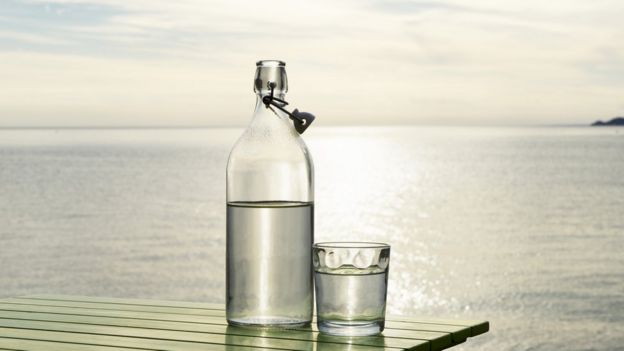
(520, 226)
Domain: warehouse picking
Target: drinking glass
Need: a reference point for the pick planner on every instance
(351, 281)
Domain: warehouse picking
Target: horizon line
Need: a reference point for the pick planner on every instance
(324, 126)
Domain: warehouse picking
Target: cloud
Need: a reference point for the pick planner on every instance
(404, 7)
(481, 61)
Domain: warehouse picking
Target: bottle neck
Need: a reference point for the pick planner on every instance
(270, 76)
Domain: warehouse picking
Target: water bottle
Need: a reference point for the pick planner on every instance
(270, 212)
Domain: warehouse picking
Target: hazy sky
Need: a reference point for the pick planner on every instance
(191, 62)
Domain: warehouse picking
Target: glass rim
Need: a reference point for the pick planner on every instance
(351, 245)
(270, 63)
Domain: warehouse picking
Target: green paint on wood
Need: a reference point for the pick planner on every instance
(43, 322)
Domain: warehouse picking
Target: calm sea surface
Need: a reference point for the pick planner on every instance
(520, 226)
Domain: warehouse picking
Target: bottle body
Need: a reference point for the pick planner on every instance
(268, 252)
(270, 222)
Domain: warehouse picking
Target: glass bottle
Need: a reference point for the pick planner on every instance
(270, 215)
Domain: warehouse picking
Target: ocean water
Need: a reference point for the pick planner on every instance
(523, 227)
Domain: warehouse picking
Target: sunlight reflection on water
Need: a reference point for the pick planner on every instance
(521, 226)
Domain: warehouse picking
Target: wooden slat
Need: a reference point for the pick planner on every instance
(198, 323)
(106, 340)
(462, 330)
(207, 328)
(38, 345)
(458, 333)
(174, 325)
(118, 307)
(124, 301)
(476, 327)
(219, 307)
(141, 336)
(440, 339)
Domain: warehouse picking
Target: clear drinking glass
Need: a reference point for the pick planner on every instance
(351, 284)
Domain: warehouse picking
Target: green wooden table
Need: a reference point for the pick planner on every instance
(76, 323)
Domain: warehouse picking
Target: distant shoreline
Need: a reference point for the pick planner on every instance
(613, 122)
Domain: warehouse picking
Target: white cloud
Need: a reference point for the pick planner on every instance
(191, 62)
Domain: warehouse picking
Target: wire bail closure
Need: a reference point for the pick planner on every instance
(301, 120)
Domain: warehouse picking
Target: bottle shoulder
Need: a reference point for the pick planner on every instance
(266, 143)
(269, 166)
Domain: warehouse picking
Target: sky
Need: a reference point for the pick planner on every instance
(359, 62)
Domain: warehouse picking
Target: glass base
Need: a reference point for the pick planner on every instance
(350, 328)
(269, 322)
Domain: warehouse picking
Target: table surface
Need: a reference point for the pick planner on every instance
(78, 323)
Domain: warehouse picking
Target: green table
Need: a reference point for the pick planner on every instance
(76, 323)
